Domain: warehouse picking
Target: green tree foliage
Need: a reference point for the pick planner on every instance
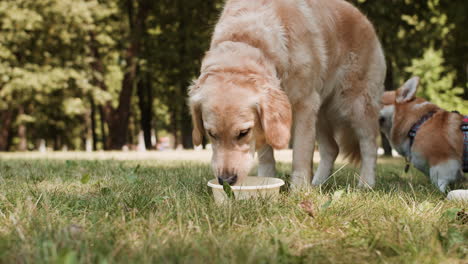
(44, 66)
(436, 84)
(407, 28)
(181, 34)
(101, 71)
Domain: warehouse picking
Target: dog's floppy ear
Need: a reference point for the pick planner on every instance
(408, 91)
(275, 115)
(195, 111)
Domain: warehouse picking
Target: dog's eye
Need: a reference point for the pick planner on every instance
(243, 133)
(211, 135)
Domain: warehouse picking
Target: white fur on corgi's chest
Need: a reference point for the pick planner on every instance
(418, 160)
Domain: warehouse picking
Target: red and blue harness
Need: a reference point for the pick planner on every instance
(464, 129)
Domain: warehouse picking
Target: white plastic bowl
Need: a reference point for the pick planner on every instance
(251, 187)
(458, 195)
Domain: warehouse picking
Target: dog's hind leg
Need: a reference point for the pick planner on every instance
(328, 149)
(266, 161)
(368, 147)
(366, 90)
(364, 122)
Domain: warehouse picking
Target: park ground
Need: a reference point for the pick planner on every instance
(156, 207)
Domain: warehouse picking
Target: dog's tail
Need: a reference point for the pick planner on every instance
(349, 144)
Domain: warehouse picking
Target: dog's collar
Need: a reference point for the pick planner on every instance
(464, 129)
(414, 129)
(412, 134)
(464, 126)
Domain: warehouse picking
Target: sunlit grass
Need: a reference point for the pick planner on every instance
(116, 211)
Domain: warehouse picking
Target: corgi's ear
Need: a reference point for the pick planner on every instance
(408, 91)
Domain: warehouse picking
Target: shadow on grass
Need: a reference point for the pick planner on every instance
(192, 177)
(390, 178)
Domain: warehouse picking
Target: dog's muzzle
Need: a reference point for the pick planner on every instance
(228, 178)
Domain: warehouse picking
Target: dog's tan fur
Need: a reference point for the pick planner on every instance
(438, 141)
(317, 59)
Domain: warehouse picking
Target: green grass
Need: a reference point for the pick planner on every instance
(118, 212)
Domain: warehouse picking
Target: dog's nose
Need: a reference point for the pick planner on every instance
(381, 120)
(228, 178)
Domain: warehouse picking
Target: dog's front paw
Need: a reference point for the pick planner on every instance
(366, 185)
(319, 179)
(300, 181)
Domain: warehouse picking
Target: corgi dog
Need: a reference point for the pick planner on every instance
(434, 140)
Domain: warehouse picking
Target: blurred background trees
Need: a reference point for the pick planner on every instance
(100, 74)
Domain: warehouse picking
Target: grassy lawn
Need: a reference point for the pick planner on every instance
(59, 211)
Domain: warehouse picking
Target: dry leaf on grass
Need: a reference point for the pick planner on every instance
(308, 207)
(462, 216)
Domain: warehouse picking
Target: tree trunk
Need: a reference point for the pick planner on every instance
(57, 142)
(186, 125)
(154, 137)
(174, 127)
(10, 139)
(389, 86)
(118, 126)
(6, 119)
(461, 69)
(23, 143)
(88, 140)
(119, 120)
(103, 128)
(132, 130)
(186, 128)
(145, 93)
(145, 102)
(93, 122)
(105, 112)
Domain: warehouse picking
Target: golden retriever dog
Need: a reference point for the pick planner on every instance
(313, 68)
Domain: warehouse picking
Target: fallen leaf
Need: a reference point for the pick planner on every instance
(85, 178)
(135, 170)
(462, 216)
(308, 208)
